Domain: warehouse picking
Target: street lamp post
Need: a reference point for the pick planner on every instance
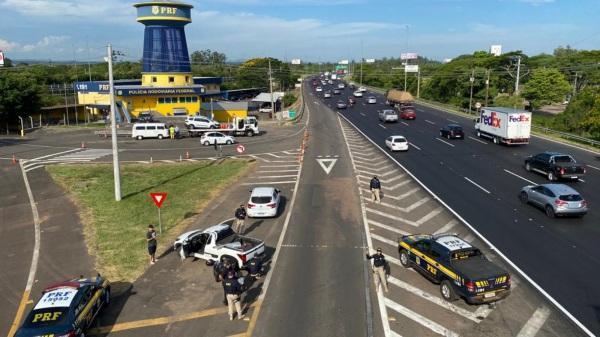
(113, 127)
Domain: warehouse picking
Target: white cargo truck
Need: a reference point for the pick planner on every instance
(504, 125)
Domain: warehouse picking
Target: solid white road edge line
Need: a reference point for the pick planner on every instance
(535, 323)
(476, 184)
(382, 310)
(484, 239)
(518, 176)
(52, 155)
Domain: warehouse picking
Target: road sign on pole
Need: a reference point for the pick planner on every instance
(158, 198)
(240, 148)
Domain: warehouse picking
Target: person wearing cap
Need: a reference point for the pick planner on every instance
(151, 240)
(233, 290)
(379, 264)
(375, 187)
(240, 217)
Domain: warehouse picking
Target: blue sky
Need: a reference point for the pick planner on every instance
(312, 30)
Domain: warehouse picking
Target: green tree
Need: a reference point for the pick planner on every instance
(547, 85)
(21, 95)
(255, 73)
(208, 56)
(582, 116)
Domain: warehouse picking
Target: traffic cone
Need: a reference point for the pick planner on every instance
(187, 155)
(14, 159)
(83, 145)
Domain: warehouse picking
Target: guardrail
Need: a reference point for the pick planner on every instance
(108, 133)
(536, 128)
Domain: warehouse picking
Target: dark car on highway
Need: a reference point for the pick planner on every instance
(452, 131)
(67, 309)
(461, 269)
(555, 166)
(407, 112)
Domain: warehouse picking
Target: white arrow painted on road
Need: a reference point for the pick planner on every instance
(327, 164)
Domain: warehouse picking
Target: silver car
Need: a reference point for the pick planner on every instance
(555, 199)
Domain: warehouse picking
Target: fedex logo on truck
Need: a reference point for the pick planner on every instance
(519, 118)
(491, 120)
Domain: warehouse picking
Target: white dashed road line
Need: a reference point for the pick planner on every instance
(413, 145)
(476, 184)
(518, 176)
(445, 142)
(594, 167)
(430, 122)
(535, 323)
(477, 140)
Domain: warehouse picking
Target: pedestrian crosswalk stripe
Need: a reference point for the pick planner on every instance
(426, 322)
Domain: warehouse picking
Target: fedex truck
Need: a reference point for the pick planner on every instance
(504, 125)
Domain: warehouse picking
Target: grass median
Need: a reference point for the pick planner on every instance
(115, 231)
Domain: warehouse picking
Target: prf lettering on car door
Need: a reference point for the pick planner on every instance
(431, 269)
(46, 316)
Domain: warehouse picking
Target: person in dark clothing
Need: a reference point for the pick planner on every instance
(220, 271)
(255, 268)
(233, 290)
(240, 217)
(375, 186)
(151, 240)
(379, 266)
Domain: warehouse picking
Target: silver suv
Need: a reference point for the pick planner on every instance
(201, 122)
(388, 116)
(554, 199)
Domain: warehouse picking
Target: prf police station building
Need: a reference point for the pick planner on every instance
(167, 85)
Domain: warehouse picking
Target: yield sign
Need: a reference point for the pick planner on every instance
(327, 164)
(240, 148)
(158, 198)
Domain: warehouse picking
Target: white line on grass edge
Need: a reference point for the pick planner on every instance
(482, 238)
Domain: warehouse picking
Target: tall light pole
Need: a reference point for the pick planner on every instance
(271, 89)
(518, 75)
(487, 87)
(113, 127)
(472, 80)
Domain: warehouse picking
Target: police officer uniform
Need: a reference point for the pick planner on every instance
(240, 217)
(379, 269)
(375, 187)
(233, 290)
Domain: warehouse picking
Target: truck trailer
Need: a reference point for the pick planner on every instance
(504, 125)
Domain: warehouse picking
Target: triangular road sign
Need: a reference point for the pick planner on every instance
(158, 198)
(327, 164)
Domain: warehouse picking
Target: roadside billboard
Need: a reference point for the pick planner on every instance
(343, 62)
(411, 68)
(1, 59)
(370, 60)
(296, 61)
(408, 56)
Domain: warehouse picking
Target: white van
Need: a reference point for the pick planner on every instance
(149, 130)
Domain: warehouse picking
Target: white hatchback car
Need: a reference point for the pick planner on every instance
(396, 143)
(210, 138)
(372, 100)
(264, 202)
(319, 89)
(362, 89)
(357, 94)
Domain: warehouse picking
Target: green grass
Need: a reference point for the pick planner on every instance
(115, 231)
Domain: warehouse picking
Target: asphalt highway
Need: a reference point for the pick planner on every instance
(481, 181)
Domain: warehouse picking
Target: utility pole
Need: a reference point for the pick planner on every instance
(405, 75)
(575, 84)
(518, 75)
(87, 47)
(271, 89)
(66, 105)
(419, 83)
(362, 58)
(113, 127)
(472, 80)
(487, 87)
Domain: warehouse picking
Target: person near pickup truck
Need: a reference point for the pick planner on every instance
(240, 218)
(233, 290)
(379, 269)
(375, 187)
(255, 268)
(220, 271)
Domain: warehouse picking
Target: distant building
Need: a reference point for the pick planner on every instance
(296, 61)
(496, 49)
(447, 61)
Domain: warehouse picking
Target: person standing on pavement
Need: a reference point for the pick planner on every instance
(240, 217)
(151, 240)
(379, 264)
(375, 186)
(233, 290)
(172, 131)
(177, 132)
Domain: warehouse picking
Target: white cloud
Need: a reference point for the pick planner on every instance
(46, 43)
(105, 10)
(537, 2)
(6, 45)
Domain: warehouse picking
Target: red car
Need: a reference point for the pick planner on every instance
(351, 100)
(407, 112)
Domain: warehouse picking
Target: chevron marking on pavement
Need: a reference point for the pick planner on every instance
(446, 227)
(373, 166)
(390, 180)
(435, 299)
(384, 240)
(426, 322)
(370, 158)
(379, 174)
(408, 208)
(431, 215)
(386, 227)
(393, 217)
(398, 198)
(363, 162)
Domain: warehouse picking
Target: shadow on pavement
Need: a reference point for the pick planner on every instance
(119, 295)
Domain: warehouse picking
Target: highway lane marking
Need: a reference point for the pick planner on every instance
(269, 177)
(276, 171)
(447, 227)
(452, 120)
(478, 140)
(34, 258)
(594, 167)
(535, 323)
(405, 123)
(363, 114)
(445, 142)
(413, 145)
(383, 126)
(380, 174)
(390, 180)
(289, 245)
(409, 222)
(518, 176)
(434, 299)
(377, 167)
(398, 198)
(296, 165)
(270, 182)
(286, 222)
(316, 103)
(384, 240)
(430, 122)
(476, 184)
(408, 208)
(143, 323)
(277, 156)
(391, 188)
(424, 321)
(389, 228)
(469, 238)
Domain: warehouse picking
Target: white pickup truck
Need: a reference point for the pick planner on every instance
(217, 243)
